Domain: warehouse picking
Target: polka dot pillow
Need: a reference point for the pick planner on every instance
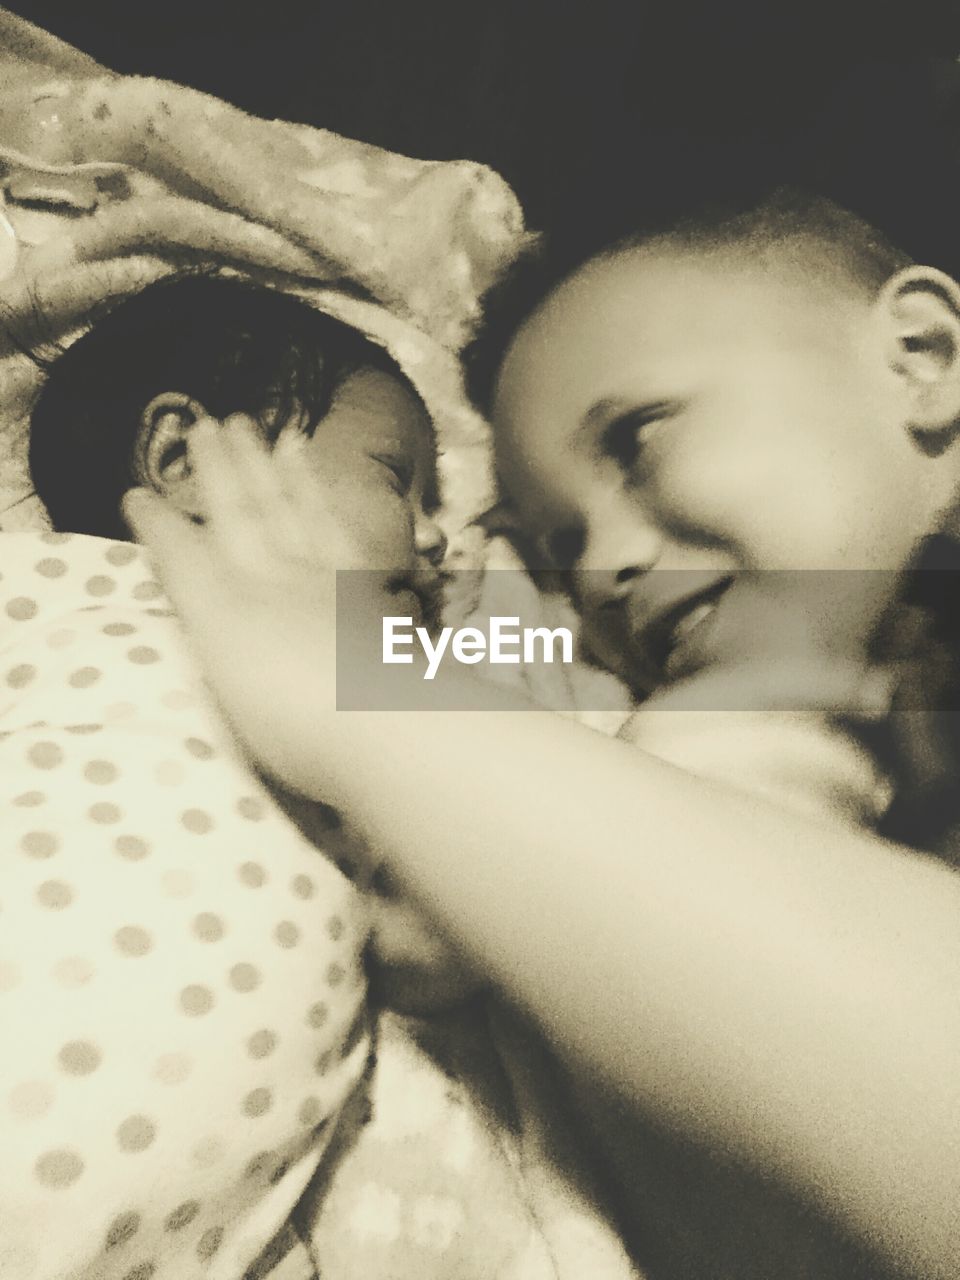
(181, 999)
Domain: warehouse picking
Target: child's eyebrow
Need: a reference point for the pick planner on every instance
(598, 418)
(600, 412)
(604, 413)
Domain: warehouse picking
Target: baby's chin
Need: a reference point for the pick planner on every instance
(411, 968)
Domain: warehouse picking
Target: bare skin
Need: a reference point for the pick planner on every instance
(762, 985)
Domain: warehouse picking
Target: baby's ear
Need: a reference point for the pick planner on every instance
(162, 459)
(920, 310)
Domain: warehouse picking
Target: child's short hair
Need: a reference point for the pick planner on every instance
(234, 346)
(816, 234)
(807, 229)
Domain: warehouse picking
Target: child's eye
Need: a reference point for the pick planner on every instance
(625, 439)
(565, 547)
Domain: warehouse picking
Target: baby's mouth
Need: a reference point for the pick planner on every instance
(426, 587)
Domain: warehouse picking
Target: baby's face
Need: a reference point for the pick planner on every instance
(730, 429)
(374, 457)
(373, 460)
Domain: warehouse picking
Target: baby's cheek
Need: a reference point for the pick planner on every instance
(371, 516)
(382, 525)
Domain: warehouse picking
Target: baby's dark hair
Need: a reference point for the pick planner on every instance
(231, 345)
(822, 239)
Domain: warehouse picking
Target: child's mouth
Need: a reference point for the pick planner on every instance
(677, 642)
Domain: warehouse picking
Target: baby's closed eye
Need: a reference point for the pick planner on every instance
(399, 468)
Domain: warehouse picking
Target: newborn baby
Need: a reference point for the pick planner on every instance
(187, 993)
(117, 408)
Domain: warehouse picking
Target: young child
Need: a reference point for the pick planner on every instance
(182, 969)
(740, 401)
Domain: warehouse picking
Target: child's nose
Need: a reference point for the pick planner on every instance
(619, 548)
(430, 541)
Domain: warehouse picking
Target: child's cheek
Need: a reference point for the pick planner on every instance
(725, 486)
(699, 492)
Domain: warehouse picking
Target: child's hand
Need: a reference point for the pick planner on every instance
(793, 684)
(253, 589)
(265, 508)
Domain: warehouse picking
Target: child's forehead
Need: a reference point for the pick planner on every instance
(664, 306)
(640, 330)
(668, 283)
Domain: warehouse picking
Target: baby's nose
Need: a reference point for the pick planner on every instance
(430, 541)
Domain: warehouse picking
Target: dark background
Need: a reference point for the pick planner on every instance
(595, 111)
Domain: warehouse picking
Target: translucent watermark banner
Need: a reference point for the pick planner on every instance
(853, 641)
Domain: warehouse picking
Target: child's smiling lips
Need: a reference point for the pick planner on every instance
(673, 640)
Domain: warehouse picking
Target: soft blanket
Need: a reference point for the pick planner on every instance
(108, 182)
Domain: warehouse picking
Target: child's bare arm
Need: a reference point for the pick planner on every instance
(782, 989)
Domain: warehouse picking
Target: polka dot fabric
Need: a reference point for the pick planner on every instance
(181, 997)
(450, 1178)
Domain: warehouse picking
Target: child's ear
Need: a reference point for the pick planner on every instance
(162, 458)
(920, 307)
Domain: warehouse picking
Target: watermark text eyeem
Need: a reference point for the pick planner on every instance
(505, 642)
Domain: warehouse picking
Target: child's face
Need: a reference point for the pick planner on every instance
(684, 414)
